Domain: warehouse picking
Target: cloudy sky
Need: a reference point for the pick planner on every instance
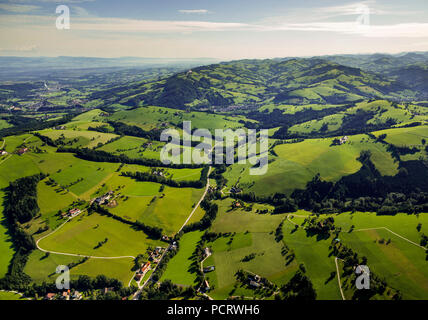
(224, 29)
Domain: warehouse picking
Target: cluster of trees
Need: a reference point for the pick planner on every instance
(152, 232)
(21, 204)
(26, 124)
(211, 210)
(45, 139)
(103, 156)
(124, 129)
(82, 283)
(20, 207)
(320, 226)
(147, 176)
(167, 291)
(299, 288)
(368, 190)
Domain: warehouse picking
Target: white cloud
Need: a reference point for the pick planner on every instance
(135, 26)
(194, 11)
(17, 8)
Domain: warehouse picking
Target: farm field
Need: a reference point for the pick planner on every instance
(297, 163)
(5, 295)
(180, 267)
(79, 138)
(150, 117)
(83, 234)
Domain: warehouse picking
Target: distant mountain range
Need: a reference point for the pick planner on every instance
(318, 80)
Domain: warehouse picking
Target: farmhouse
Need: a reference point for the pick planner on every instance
(343, 140)
(254, 284)
(165, 238)
(22, 151)
(209, 269)
(50, 296)
(104, 198)
(146, 267)
(2, 153)
(110, 289)
(74, 212)
(138, 277)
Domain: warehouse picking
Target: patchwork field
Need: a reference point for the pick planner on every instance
(83, 234)
(180, 270)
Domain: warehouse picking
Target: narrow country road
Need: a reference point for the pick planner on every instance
(338, 278)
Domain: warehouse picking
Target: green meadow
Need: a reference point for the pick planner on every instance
(83, 234)
(179, 269)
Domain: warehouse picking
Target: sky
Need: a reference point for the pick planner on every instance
(221, 29)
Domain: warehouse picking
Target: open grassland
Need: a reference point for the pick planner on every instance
(7, 295)
(134, 147)
(151, 117)
(180, 269)
(402, 263)
(314, 253)
(251, 232)
(41, 267)
(78, 138)
(297, 163)
(6, 248)
(83, 234)
(13, 142)
(228, 259)
(145, 202)
(411, 136)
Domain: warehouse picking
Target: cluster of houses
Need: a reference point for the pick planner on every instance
(343, 140)
(156, 254)
(254, 280)
(74, 212)
(66, 295)
(104, 198)
(140, 273)
(158, 173)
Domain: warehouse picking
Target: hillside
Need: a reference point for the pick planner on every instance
(254, 82)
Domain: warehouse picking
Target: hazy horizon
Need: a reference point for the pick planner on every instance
(222, 30)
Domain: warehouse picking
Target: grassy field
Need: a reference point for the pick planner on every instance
(79, 138)
(403, 264)
(7, 295)
(297, 163)
(315, 255)
(150, 117)
(254, 234)
(179, 268)
(83, 234)
(133, 147)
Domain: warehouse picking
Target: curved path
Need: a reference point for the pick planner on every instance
(396, 234)
(338, 277)
(73, 254)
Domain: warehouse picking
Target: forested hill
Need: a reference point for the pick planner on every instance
(256, 82)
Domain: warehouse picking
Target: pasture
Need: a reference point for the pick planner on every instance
(180, 270)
